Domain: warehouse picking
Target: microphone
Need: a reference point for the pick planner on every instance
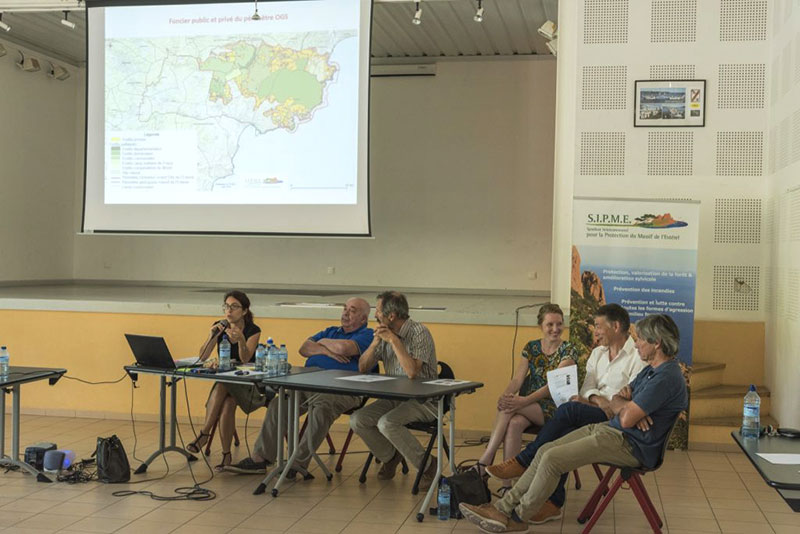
(224, 323)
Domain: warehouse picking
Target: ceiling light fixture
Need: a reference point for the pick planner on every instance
(548, 30)
(57, 72)
(256, 16)
(66, 22)
(28, 64)
(417, 20)
(552, 46)
(3, 25)
(479, 13)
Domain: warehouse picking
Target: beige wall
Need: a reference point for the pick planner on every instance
(461, 185)
(37, 170)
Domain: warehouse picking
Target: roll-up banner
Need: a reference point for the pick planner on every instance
(642, 255)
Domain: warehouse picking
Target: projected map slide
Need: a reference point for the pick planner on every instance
(217, 108)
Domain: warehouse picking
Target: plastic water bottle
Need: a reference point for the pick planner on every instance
(224, 354)
(751, 420)
(284, 359)
(261, 358)
(3, 362)
(273, 360)
(444, 500)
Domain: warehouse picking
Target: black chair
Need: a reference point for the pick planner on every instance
(431, 427)
(633, 476)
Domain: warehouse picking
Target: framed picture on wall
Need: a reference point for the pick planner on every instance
(664, 103)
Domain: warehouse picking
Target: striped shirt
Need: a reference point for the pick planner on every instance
(418, 342)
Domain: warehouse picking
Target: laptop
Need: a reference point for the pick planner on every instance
(150, 351)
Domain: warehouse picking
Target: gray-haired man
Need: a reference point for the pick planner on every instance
(406, 349)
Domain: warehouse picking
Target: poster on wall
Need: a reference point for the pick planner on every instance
(669, 103)
(642, 255)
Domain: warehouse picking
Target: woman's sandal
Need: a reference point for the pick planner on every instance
(223, 464)
(196, 446)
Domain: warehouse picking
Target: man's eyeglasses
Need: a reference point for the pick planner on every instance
(226, 307)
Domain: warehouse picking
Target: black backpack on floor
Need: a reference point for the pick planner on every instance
(112, 462)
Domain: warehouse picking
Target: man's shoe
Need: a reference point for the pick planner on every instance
(248, 466)
(428, 476)
(490, 519)
(386, 472)
(548, 512)
(507, 470)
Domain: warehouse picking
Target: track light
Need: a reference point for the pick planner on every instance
(28, 64)
(417, 20)
(66, 22)
(256, 16)
(548, 30)
(3, 25)
(479, 13)
(552, 46)
(57, 72)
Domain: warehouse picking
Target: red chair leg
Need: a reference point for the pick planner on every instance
(236, 441)
(210, 438)
(645, 503)
(603, 505)
(597, 471)
(331, 448)
(577, 479)
(601, 490)
(649, 502)
(344, 450)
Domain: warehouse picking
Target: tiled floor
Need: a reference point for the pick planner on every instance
(694, 492)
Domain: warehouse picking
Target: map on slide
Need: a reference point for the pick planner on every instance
(203, 92)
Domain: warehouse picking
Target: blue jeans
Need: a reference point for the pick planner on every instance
(568, 417)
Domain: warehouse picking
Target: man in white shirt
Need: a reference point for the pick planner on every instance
(611, 366)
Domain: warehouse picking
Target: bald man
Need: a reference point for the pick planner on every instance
(337, 347)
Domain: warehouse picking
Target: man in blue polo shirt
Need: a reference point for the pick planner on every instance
(337, 347)
(643, 415)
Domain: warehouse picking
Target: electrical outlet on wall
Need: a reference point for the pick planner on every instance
(331, 269)
(533, 275)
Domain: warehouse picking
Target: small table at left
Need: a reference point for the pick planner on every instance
(17, 376)
(169, 378)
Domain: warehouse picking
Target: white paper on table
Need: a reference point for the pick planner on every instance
(446, 382)
(563, 383)
(366, 378)
(780, 458)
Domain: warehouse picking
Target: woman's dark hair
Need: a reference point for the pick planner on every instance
(548, 308)
(244, 301)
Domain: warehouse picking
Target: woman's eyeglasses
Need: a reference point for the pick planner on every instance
(232, 307)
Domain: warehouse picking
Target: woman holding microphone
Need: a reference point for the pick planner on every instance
(243, 335)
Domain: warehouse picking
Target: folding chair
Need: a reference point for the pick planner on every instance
(633, 476)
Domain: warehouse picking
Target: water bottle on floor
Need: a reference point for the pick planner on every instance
(224, 354)
(261, 358)
(444, 500)
(751, 420)
(4, 358)
(284, 357)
